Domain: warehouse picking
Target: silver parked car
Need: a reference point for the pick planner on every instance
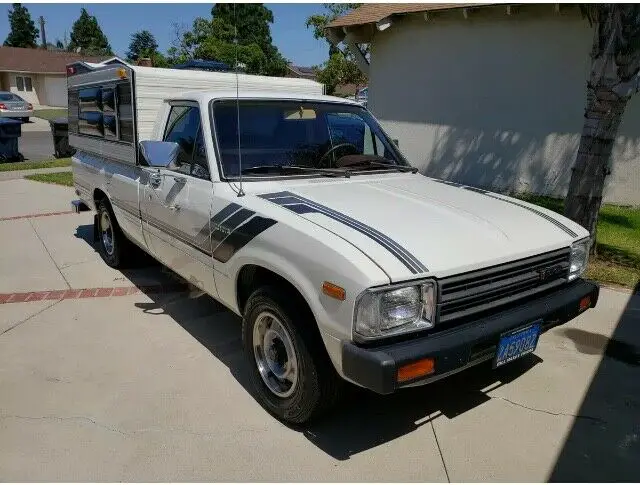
(13, 106)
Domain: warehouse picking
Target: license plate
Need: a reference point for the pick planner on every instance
(516, 343)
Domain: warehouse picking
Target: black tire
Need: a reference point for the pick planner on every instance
(25, 120)
(318, 385)
(117, 256)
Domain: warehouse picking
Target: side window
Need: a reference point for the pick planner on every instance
(183, 128)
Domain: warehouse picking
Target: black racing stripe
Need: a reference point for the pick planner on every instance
(552, 220)
(301, 205)
(222, 230)
(374, 234)
(398, 251)
(240, 237)
(179, 235)
(202, 238)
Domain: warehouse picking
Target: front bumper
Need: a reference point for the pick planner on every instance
(461, 347)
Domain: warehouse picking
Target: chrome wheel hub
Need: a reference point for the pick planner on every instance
(106, 232)
(275, 356)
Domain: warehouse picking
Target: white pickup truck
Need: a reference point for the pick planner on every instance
(299, 213)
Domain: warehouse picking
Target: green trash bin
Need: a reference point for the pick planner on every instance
(60, 134)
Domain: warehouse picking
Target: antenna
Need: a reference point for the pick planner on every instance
(235, 40)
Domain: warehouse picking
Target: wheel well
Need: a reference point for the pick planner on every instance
(252, 277)
(99, 195)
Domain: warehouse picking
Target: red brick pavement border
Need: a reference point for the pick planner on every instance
(90, 293)
(30, 216)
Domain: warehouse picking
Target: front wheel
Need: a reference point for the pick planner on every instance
(291, 373)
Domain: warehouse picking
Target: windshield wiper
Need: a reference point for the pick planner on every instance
(281, 169)
(374, 163)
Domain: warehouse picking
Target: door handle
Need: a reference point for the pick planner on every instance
(155, 179)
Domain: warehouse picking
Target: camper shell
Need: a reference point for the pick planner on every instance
(114, 105)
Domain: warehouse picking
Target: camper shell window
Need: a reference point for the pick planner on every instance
(104, 111)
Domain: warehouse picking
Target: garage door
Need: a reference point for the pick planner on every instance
(55, 89)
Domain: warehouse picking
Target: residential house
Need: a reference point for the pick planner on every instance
(37, 75)
(300, 72)
(487, 95)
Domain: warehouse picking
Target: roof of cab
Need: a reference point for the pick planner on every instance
(207, 96)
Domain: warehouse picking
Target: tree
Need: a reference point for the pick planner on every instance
(252, 22)
(339, 70)
(143, 44)
(614, 78)
(87, 36)
(59, 44)
(215, 39)
(341, 67)
(319, 21)
(23, 31)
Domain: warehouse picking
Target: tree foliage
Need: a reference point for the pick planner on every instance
(614, 78)
(23, 31)
(215, 39)
(318, 22)
(87, 36)
(339, 70)
(341, 67)
(143, 44)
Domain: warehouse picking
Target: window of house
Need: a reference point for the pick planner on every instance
(24, 83)
(184, 128)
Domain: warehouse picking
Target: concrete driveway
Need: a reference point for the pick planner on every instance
(36, 142)
(112, 376)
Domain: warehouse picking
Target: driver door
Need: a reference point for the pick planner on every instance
(176, 203)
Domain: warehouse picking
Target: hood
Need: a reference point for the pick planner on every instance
(412, 225)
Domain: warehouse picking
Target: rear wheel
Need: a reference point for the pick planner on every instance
(113, 245)
(25, 120)
(292, 376)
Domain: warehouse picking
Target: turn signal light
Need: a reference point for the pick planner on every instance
(122, 73)
(3, 106)
(30, 106)
(419, 368)
(334, 291)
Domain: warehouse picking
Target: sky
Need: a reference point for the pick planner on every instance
(119, 21)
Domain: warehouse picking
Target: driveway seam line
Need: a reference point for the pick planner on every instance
(551, 413)
(29, 318)
(444, 465)
(47, 250)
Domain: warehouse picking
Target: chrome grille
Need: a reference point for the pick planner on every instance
(471, 293)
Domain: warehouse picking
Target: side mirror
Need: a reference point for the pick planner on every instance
(160, 154)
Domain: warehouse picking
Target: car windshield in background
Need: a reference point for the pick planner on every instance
(293, 137)
(9, 97)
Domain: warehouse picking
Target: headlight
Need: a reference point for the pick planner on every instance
(579, 258)
(384, 312)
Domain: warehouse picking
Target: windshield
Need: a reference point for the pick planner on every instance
(292, 133)
(9, 97)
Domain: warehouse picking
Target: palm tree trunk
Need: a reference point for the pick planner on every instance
(603, 115)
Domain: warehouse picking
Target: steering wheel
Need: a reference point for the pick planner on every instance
(331, 150)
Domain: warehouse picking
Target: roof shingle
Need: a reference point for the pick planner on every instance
(19, 59)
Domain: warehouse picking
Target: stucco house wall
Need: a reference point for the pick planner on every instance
(495, 100)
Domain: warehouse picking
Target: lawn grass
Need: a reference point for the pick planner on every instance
(60, 162)
(50, 114)
(58, 178)
(617, 258)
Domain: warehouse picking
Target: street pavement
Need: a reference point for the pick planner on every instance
(151, 386)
